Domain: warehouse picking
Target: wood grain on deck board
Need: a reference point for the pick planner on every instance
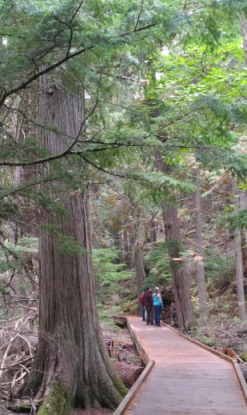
(186, 379)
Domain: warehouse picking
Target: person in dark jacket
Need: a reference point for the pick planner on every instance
(148, 304)
(142, 304)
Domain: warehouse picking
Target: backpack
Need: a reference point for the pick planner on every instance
(142, 298)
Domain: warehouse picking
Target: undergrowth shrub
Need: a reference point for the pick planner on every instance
(158, 265)
(110, 277)
(219, 268)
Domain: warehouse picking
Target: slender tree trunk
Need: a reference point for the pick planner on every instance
(140, 272)
(201, 282)
(243, 195)
(239, 262)
(243, 205)
(17, 176)
(180, 277)
(243, 23)
(151, 228)
(71, 366)
(128, 248)
(239, 275)
(117, 244)
(179, 272)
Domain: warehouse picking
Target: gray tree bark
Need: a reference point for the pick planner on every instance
(243, 206)
(140, 272)
(243, 23)
(72, 365)
(201, 281)
(239, 262)
(151, 228)
(180, 277)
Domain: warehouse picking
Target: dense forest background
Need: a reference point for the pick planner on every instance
(123, 165)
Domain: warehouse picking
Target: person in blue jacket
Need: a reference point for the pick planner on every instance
(158, 305)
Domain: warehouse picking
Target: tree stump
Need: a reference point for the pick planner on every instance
(110, 347)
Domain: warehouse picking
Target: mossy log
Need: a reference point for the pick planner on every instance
(129, 374)
(124, 344)
(120, 322)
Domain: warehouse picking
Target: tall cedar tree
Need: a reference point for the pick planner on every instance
(71, 365)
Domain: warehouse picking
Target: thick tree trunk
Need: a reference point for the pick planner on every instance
(201, 282)
(72, 365)
(180, 277)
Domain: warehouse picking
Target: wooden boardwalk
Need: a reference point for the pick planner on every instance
(186, 379)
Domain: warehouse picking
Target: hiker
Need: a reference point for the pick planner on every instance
(142, 304)
(158, 305)
(148, 303)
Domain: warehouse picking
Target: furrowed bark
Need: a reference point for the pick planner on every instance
(72, 362)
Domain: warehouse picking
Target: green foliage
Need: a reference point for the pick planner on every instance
(237, 220)
(219, 269)
(13, 258)
(8, 209)
(116, 131)
(108, 273)
(4, 290)
(185, 103)
(228, 159)
(25, 244)
(158, 265)
(106, 313)
(155, 187)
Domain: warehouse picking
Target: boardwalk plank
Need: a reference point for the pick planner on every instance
(186, 379)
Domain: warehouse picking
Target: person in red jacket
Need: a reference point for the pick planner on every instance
(148, 304)
(142, 303)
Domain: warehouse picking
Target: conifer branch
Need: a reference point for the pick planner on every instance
(101, 168)
(32, 183)
(55, 156)
(139, 16)
(76, 12)
(57, 64)
(54, 130)
(43, 72)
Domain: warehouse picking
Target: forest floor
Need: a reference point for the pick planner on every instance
(18, 345)
(224, 328)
